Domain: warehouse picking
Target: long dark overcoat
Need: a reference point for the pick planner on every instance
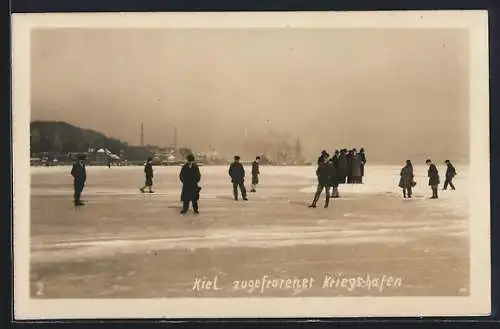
(190, 177)
(334, 173)
(148, 171)
(342, 167)
(356, 166)
(433, 175)
(363, 162)
(79, 174)
(406, 178)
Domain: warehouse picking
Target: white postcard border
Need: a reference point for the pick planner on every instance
(479, 301)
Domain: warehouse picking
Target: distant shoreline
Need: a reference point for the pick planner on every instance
(245, 164)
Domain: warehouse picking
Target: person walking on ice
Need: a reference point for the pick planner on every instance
(79, 174)
(255, 174)
(190, 176)
(406, 181)
(323, 173)
(237, 174)
(433, 175)
(450, 174)
(148, 171)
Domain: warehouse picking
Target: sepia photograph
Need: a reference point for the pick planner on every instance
(175, 165)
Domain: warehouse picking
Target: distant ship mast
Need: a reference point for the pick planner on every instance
(142, 134)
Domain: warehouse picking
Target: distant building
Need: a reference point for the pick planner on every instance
(104, 156)
(214, 157)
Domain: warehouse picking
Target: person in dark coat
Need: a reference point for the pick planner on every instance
(79, 174)
(334, 177)
(190, 177)
(323, 173)
(356, 167)
(450, 174)
(237, 174)
(433, 175)
(362, 156)
(350, 166)
(335, 158)
(406, 181)
(148, 171)
(342, 166)
(255, 173)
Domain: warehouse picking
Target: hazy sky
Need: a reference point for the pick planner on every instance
(398, 93)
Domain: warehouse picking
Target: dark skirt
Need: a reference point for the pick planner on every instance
(433, 181)
(149, 181)
(405, 183)
(255, 179)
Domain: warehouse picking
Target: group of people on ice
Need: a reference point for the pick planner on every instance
(189, 175)
(349, 164)
(331, 172)
(407, 178)
(344, 167)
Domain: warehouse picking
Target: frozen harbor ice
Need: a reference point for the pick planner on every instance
(124, 244)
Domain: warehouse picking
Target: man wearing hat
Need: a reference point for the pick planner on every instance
(237, 174)
(190, 176)
(148, 171)
(79, 174)
(324, 155)
(323, 172)
(433, 175)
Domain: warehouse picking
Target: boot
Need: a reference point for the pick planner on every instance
(315, 200)
(434, 194)
(327, 201)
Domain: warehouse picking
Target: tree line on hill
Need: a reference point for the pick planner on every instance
(61, 137)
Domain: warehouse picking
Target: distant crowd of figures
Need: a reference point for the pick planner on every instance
(344, 167)
(348, 167)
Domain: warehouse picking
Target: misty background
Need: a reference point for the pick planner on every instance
(399, 93)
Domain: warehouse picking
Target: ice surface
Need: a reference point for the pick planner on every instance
(370, 229)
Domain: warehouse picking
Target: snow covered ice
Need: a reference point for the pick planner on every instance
(124, 244)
